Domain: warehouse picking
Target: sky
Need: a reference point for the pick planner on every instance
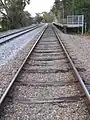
(38, 6)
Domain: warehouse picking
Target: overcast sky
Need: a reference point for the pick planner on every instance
(38, 6)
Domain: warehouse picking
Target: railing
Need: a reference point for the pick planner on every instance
(75, 20)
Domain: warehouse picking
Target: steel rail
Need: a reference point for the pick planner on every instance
(73, 66)
(17, 73)
(19, 34)
(3, 36)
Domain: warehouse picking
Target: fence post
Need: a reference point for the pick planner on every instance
(82, 24)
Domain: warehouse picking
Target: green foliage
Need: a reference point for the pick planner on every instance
(83, 8)
(68, 7)
(26, 19)
(13, 12)
(88, 32)
(57, 4)
(71, 7)
(38, 18)
(44, 17)
(48, 17)
(56, 9)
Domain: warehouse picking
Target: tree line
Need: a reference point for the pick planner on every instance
(13, 14)
(63, 8)
(45, 17)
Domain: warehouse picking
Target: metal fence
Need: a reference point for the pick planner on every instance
(75, 20)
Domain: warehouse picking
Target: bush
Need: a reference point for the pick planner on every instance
(88, 32)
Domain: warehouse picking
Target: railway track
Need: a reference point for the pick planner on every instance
(44, 88)
(9, 37)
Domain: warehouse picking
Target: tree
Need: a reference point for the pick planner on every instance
(12, 11)
(83, 7)
(48, 17)
(72, 7)
(26, 19)
(56, 9)
(57, 4)
(38, 18)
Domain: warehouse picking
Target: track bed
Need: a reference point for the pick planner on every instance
(45, 88)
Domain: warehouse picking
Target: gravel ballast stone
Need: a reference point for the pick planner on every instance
(58, 111)
(35, 96)
(12, 64)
